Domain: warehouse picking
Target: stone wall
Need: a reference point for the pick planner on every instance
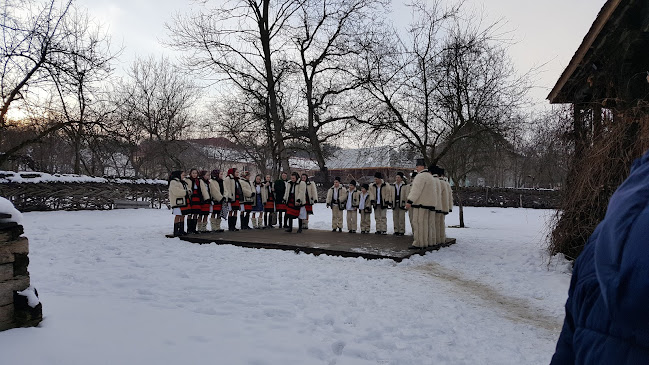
(19, 306)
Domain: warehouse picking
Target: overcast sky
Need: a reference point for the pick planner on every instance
(547, 32)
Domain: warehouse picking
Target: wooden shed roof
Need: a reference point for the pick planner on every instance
(559, 93)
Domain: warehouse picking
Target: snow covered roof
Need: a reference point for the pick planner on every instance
(34, 177)
(383, 156)
(302, 163)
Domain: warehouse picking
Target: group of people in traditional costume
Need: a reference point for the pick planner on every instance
(260, 202)
(427, 199)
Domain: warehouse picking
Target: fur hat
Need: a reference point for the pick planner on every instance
(378, 175)
(420, 162)
(434, 169)
(353, 182)
(337, 178)
(365, 186)
(442, 171)
(215, 174)
(400, 174)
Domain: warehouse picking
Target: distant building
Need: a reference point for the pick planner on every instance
(360, 164)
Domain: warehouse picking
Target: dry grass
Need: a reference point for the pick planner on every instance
(592, 181)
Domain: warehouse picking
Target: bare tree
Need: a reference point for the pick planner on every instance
(478, 154)
(38, 46)
(327, 37)
(246, 121)
(241, 41)
(78, 82)
(155, 111)
(439, 88)
(546, 150)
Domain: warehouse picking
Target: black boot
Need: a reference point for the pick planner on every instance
(290, 226)
(232, 223)
(244, 223)
(191, 226)
(181, 228)
(299, 224)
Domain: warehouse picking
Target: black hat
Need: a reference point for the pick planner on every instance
(365, 186)
(337, 178)
(413, 174)
(175, 175)
(420, 162)
(378, 175)
(442, 171)
(400, 174)
(353, 182)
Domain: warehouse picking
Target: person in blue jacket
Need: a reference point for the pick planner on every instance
(607, 311)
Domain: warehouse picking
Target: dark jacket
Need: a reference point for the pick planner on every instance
(607, 311)
(280, 189)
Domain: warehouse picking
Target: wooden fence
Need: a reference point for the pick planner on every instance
(93, 196)
(80, 196)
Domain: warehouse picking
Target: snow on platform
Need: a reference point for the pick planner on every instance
(369, 246)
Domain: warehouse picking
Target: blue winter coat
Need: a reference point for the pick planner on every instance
(607, 312)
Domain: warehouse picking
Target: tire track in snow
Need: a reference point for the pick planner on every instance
(515, 309)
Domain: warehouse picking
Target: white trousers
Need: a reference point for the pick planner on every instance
(423, 227)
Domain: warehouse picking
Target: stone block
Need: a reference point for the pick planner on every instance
(6, 272)
(8, 287)
(6, 296)
(7, 317)
(20, 264)
(9, 249)
(10, 232)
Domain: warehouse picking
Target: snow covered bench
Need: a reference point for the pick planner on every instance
(130, 204)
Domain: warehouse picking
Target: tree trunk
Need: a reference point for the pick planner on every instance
(77, 151)
(460, 206)
(264, 33)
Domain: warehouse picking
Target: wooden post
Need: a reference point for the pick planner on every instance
(597, 121)
(579, 131)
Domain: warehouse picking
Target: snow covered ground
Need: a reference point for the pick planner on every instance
(115, 291)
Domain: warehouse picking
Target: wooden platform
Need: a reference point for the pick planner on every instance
(369, 246)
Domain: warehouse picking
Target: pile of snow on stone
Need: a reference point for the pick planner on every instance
(7, 208)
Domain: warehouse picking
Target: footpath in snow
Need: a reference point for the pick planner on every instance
(115, 291)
